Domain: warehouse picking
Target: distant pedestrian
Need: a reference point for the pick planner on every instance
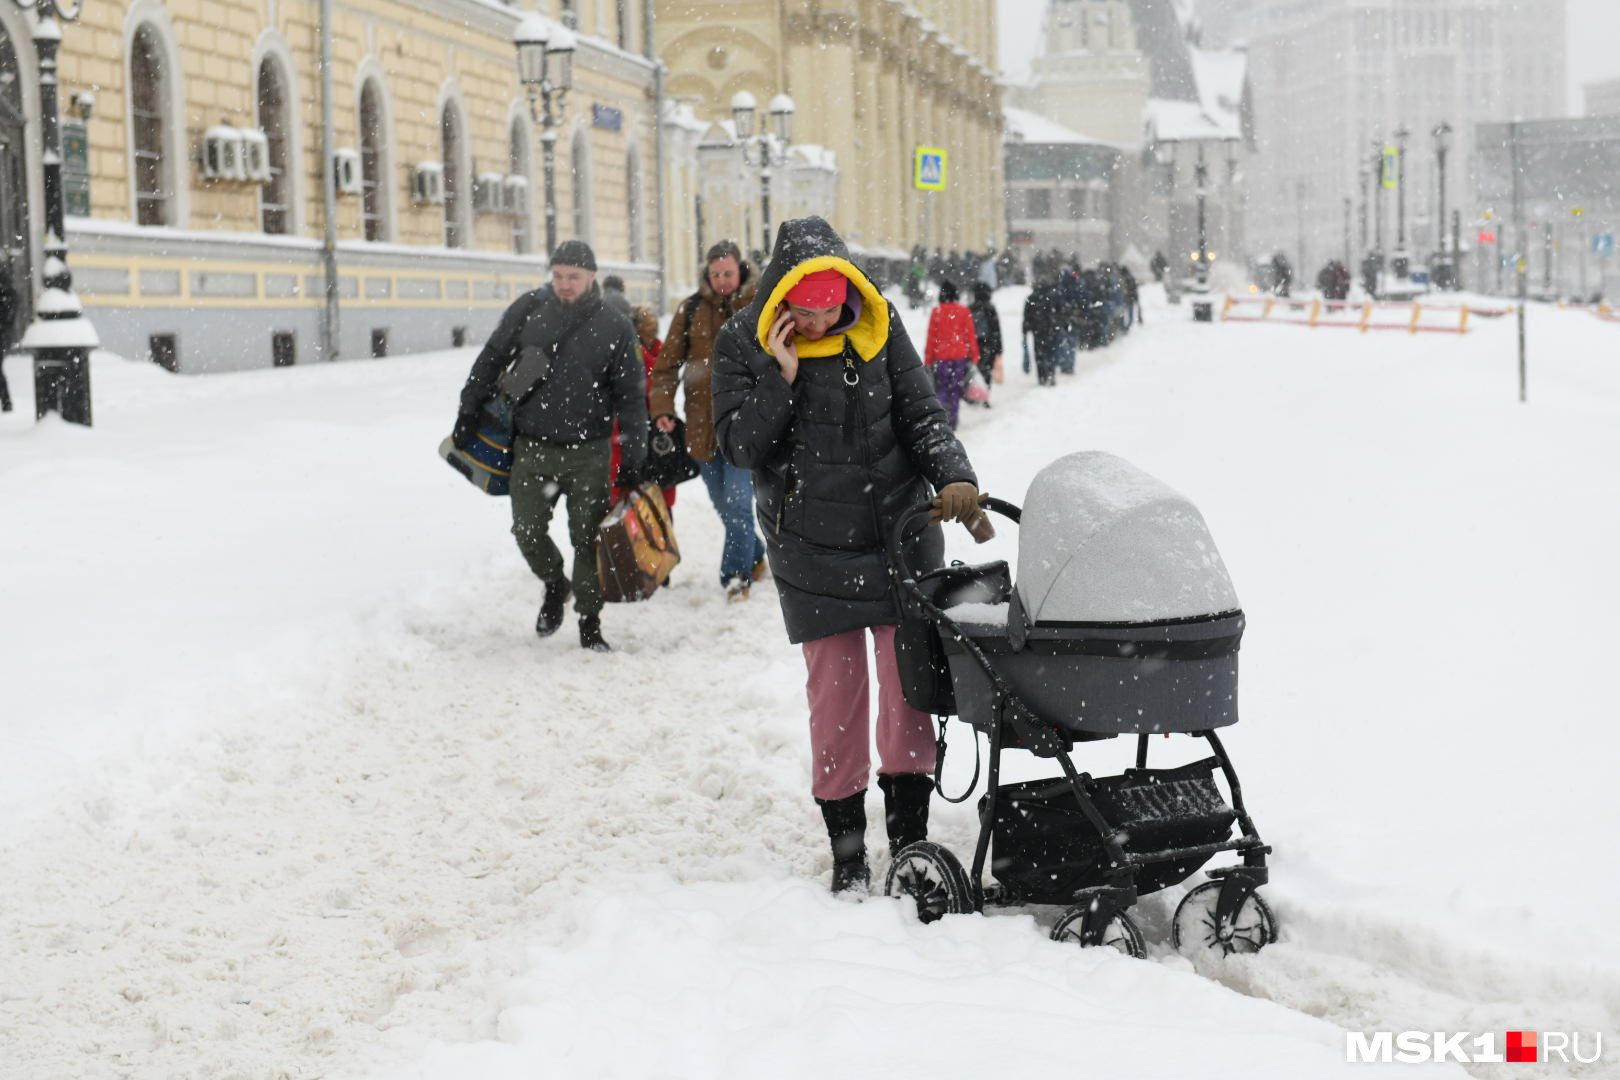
(987, 328)
(1283, 271)
(1046, 323)
(1133, 295)
(727, 286)
(567, 364)
(952, 345)
(613, 295)
(1159, 265)
(8, 319)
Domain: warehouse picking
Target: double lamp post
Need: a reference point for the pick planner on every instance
(546, 67)
(764, 151)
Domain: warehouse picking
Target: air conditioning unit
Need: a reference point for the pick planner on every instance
(427, 184)
(515, 196)
(255, 156)
(222, 154)
(346, 171)
(487, 193)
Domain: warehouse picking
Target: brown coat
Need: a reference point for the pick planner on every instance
(694, 347)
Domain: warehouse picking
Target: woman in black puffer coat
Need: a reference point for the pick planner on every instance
(818, 390)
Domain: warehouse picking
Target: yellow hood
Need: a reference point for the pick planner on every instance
(868, 334)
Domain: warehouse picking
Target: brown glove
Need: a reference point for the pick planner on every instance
(955, 502)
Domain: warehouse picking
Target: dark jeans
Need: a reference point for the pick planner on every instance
(541, 474)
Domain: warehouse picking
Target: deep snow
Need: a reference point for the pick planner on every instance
(294, 791)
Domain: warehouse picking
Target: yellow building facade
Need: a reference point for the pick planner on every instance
(197, 237)
(872, 81)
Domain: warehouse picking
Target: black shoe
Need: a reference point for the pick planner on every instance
(905, 808)
(846, 829)
(551, 609)
(590, 634)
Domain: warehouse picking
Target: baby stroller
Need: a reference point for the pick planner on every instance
(1123, 621)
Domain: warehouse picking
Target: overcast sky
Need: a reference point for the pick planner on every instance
(1594, 40)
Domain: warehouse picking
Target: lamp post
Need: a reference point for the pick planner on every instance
(60, 337)
(1201, 186)
(1164, 154)
(1402, 261)
(546, 66)
(1444, 265)
(765, 150)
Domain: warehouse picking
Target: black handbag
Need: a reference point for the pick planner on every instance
(668, 463)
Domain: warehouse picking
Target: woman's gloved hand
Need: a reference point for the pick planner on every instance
(955, 502)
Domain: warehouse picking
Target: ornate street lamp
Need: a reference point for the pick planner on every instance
(765, 150)
(546, 67)
(1201, 185)
(60, 337)
(1401, 135)
(1445, 266)
(1164, 155)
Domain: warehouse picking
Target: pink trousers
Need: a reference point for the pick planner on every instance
(840, 738)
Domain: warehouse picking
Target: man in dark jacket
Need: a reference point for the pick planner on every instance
(1046, 321)
(567, 364)
(818, 390)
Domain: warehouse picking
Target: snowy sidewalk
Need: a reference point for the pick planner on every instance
(319, 804)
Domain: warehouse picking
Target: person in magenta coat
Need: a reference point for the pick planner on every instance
(952, 345)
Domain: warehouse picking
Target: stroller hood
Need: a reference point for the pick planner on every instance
(1101, 541)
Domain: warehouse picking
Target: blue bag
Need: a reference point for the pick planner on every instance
(487, 461)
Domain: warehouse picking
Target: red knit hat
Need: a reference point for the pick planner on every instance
(822, 289)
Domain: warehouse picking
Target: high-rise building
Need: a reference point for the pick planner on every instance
(1131, 77)
(1335, 80)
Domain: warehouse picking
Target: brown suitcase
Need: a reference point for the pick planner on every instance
(635, 546)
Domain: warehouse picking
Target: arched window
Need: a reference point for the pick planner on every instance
(373, 164)
(632, 188)
(456, 187)
(148, 95)
(581, 184)
(275, 197)
(518, 167)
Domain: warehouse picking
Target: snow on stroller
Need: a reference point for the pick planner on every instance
(1123, 621)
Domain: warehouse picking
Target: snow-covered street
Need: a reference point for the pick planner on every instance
(294, 792)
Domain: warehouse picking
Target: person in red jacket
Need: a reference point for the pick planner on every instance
(646, 324)
(952, 345)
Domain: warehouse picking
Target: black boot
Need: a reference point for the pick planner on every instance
(905, 808)
(551, 609)
(846, 828)
(590, 634)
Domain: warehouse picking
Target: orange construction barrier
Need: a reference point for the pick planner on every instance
(1416, 316)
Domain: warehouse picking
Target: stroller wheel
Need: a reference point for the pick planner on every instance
(1195, 926)
(1120, 933)
(932, 876)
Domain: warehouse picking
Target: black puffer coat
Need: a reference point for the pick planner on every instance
(839, 455)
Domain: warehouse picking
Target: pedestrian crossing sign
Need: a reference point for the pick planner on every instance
(1392, 167)
(930, 169)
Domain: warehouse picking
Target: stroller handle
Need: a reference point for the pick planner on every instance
(896, 546)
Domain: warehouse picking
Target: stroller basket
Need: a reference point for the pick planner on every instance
(1045, 849)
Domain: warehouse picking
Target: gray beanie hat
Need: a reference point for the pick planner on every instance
(574, 253)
